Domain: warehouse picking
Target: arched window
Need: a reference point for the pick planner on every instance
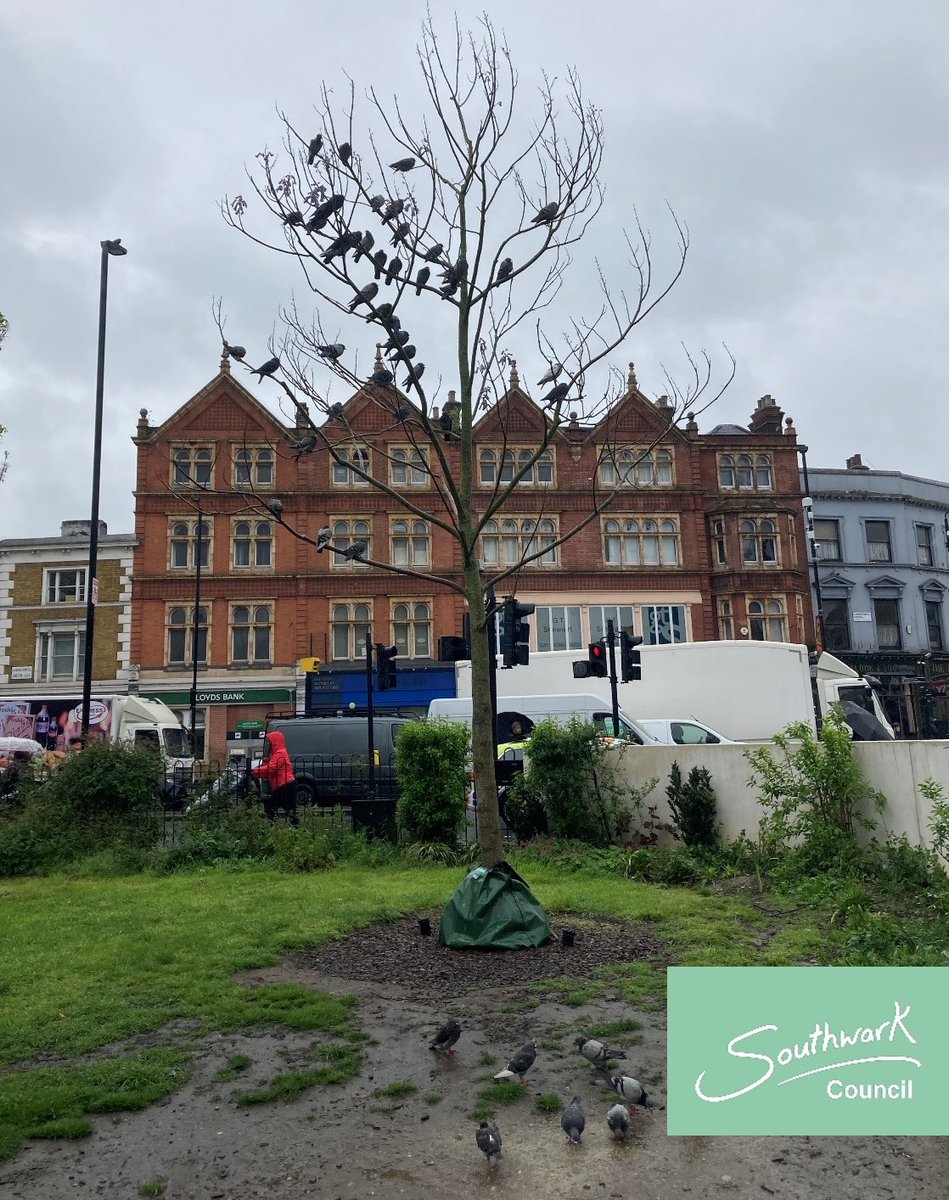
(179, 623)
(726, 471)
(350, 624)
(412, 629)
(767, 620)
(410, 544)
(635, 542)
(251, 633)
(759, 540)
(345, 535)
(252, 545)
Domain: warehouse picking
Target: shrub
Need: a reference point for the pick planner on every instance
(812, 795)
(693, 806)
(524, 811)
(104, 798)
(431, 765)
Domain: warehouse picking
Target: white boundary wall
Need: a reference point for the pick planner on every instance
(895, 768)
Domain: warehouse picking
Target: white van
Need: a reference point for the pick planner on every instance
(587, 707)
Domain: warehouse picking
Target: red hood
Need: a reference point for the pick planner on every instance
(276, 741)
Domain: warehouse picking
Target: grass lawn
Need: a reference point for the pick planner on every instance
(89, 963)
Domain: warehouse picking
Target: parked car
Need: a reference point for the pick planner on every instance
(682, 731)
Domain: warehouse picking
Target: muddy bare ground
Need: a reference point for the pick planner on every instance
(349, 1141)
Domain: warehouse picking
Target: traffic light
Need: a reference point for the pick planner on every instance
(630, 658)
(385, 667)
(515, 633)
(596, 660)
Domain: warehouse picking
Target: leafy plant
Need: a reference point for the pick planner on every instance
(693, 806)
(431, 765)
(813, 793)
(938, 816)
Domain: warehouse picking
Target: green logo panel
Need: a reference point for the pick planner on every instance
(808, 1050)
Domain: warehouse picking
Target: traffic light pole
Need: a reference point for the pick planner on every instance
(491, 608)
(614, 691)
(369, 715)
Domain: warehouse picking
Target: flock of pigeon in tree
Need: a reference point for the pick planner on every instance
(573, 1119)
(342, 241)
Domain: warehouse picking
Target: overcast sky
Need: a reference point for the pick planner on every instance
(804, 144)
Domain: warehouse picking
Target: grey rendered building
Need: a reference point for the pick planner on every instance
(883, 569)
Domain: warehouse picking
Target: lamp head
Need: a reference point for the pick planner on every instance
(114, 246)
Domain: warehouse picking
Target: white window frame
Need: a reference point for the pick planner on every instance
(43, 653)
(644, 467)
(496, 465)
(768, 615)
(345, 533)
(52, 586)
(745, 472)
(253, 468)
(259, 540)
(186, 628)
(759, 534)
(410, 543)
(192, 466)
(254, 623)
(408, 467)
(411, 627)
(353, 620)
(505, 542)
(622, 616)
(342, 475)
(189, 536)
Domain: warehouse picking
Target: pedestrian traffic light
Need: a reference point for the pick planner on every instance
(515, 633)
(630, 658)
(596, 659)
(385, 667)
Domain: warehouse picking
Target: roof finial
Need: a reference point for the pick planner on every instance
(225, 363)
(631, 377)
(515, 380)
(379, 364)
(691, 426)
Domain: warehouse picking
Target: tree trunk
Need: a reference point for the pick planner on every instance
(482, 731)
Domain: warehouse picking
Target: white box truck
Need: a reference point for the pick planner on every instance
(588, 707)
(56, 723)
(746, 690)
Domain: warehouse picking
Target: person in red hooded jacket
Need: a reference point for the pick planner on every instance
(277, 771)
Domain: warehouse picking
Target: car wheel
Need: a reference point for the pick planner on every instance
(305, 793)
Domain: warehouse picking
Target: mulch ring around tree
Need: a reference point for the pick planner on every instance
(397, 952)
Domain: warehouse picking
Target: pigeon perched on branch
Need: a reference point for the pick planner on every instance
(421, 279)
(395, 266)
(414, 375)
(315, 146)
(488, 1138)
(332, 351)
(546, 214)
(306, 445)
(356, 550)
(328, 207)
(630, 1089)
(323, 539)
(397, 339)
(434, 253)
(556, 394)
(276, 507)
(366, 243)
(335, 411)
(379, 262)
(293, 218)
(381, 314)
(618, 1120)
(376, 203)
(345, 151)
(392, 209)
(555, 369)
(402, 164)
(269, 367)
(402, 352)
(237, 352)
(446, 1037)
(572, 1120)
(518, 1066)
(369, 292)
(505, 271)
(381, 378)
(597, 1052)
(401, 233)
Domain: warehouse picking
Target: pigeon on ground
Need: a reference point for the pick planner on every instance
(315, 146)
(276, 507)
(446, 1037)
(488, 1138)
(519, 1065)
(364, 296)
(323, 539)
(505, 271)
(596, 1052)
(402, 164)
(618, 1120)
(305, 445)
(630, 1089)
(332, 351)
(551, 376)
(237, 352)
(269, 367)
(572, 1121)
(546, 214)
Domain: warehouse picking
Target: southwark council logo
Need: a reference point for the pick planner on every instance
(808, 1050)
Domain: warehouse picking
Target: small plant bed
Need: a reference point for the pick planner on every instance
(396, 950)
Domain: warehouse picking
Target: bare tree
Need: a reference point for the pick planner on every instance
(457, 214)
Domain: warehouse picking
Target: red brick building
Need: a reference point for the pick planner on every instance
(703, 540)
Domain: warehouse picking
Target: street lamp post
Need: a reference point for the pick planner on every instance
(808, 505)
(195, 622)
(113, 247)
